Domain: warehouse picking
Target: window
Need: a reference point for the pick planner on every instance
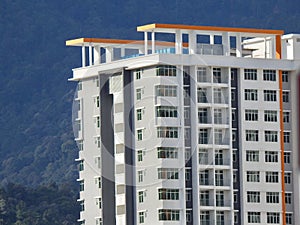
(202, 95)
(203, 177)
(271, 136)
(168, 214)
(201, 74)
(168, 173)
(253, 196)
(186, 113)
(167, 153)
(204, 198)
(79, 88)
(202, 115)
(236, 217)
(250, 74)
(81, 205)
(138, 93)
(97, 121)
(203, 156)
(219, 177)
(273, 217)
(98, 161)
(218, 116)
(253, 217)
(99, 202)
(220, 218)
(252, 156)
(270, 96)
(141, 195)
(232, 95)
(168, 194)
(285, 76)
(251, 135)
(99, 221)
(288, 198)
(140, 154)
(233, 117)
(166, 111)
(167, 132)
(217, 95)
(286, 137)
(269, 75)
(272, 197)
(204, 218)
(272, 177)
(287, 178)
(166, 90)
(98, 182)
(219, 198)
(96, 80)
(81, 165)
(166, 70)
(189, 216)
(253, 176)
(287, 157)
(271, 156)
(250, 94)
(285, 96)
(141, 217)
(80, 145)
(219, 157)
(98, 142)
(140, 176)
(217, 75)
(203, 136)
(218, 136)
(234, 155)
(251, 115)
(289, 218)
(235, 196)
(286, 117)
(188, 174)
(81, 185)
(139, 134)
(270, 116)
(188, 195)
(139, 113)
(97, 101)
(187, 154)
(138, 74)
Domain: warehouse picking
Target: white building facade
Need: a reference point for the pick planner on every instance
(201, 130)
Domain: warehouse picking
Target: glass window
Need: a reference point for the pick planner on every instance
(219, 198)
(288, 198)
(287, 157)
(140, 154)
(271, 136)
(204, 217)
(203, 177)
(272, 197)
(252, 156)
(285, 96)
(81, 205)
(286, 117)
(272, 177)
(203, 136)
(139, 134)
(219, 177)
(253, 176)
(201, 74)
(167, 132)
(81, 165)
(168, 215)
(141, 217)
(167, 153)
(140, 176)
(285, 76)
(166, 90)
(217, 95)
(273, 217)
(138, 74)
(138, 93)
(253, 217)
(270, 95)
(203, 156)
(218, 116)
(168, 194)
(269, 75)
(202, 95)
(218, 136)
(251, 115)
(202, 115)
(287, 178)
(250, 74)
(139, 114)
(253, 196)
(250, 94)
(168, 173)
(271, 156)
(289, 218)
(270, 115)
(217, 75)
(166, 70)
(166, 111)
(251, 135)
(141, 195)
(81, 185)
(286, 136)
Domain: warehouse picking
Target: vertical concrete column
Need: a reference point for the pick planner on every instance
(109, 54)
(273, 47)
(178, 42)
(226, 43)
(211, 39)
(97, 55)
(146, 42)
(122, 52)
(238, 45)
(90, 55)
(83, 56)
(192, 42)
(153, 41)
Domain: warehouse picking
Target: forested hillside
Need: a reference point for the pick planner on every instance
(37, 146)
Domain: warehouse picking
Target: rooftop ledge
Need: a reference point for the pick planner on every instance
(238, 42)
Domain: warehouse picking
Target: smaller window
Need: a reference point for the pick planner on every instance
(272, 197)
(286, 117)
(252, 156)
(287, 157)
(270, 95)
(250, 74)
(285, 76)
(141, 217)
(287, 178)
(139, 113)
(272, 177)
(269, 75)
(140, 176)
(271, 136)
(285, 96)
(140, 155)
(79, 86)
(288, 198)
(253, 196)
(273, 217)
(81, 205)
(141, 195)
(270, 115)
(139, 134)
(81, 185)
(271, 156)
(138, 74)
(286, 136)
(289, 218)
(138, 93)
(251, 95)
(251, 115)
(251, 135)
(253, 176)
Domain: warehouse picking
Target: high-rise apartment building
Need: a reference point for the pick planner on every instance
(201, 128)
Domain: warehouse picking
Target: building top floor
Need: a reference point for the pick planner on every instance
(191, 40)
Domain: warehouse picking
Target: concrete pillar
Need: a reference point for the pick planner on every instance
(109, 54)
(83, 56)
(192, 43)
(122, 52)
(97, 55)
(178, 42)
(211, 39)
(146, 42)
(226, 43)
(153, 41)
(238, 45)
(90, 56)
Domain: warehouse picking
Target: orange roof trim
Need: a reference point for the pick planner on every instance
(150, 27)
